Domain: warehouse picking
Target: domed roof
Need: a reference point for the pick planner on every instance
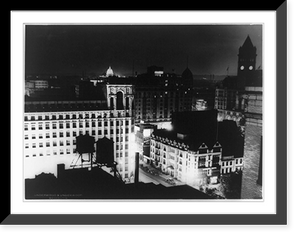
(109, 72)
(187, 74)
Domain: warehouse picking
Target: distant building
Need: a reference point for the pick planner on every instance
(240, 97)
(159, 94)
(51, 128)
(198, 149)
(33, 86)
(109, 72)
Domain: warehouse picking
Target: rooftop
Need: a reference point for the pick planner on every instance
(97, 184)
(70, 105)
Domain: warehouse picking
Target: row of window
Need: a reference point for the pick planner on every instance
(230, 163)
(48, 153)
(63, 143)
(119, 133)
(67, 152)
(67, 116)
(68, 125)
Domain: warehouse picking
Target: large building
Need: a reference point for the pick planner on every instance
(159, 94)
(198, 149)
(51, 128)
(240, 98)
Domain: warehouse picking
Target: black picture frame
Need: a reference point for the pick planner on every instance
(280, 218)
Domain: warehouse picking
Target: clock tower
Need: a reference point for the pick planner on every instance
(246, 62)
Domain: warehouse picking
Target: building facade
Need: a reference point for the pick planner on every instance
(239, 98)
(193, 167)
(159, 94)
(196, 158)
(51, 128)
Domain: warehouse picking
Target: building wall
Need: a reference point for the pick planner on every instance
(250, 188)
(157, 105)
(194, 168)
(50, 137)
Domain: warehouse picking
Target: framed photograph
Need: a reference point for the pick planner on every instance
(148, 117)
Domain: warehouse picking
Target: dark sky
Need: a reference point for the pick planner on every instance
(72, 49)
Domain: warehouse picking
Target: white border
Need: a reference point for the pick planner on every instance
(267, 206)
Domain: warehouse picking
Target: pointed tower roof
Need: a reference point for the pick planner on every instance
(187, 74)
(247, 43)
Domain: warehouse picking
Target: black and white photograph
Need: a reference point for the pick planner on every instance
(143, 112)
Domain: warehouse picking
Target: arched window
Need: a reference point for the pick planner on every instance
(120, 105)
(112, 106)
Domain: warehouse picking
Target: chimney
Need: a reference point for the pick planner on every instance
(60, 170)
(136, 173)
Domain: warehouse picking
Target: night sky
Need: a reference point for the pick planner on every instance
(74, 49)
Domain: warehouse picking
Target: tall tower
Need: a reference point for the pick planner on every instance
(246, 63)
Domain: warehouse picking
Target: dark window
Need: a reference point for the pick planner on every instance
(127, 103)
(112, 103)
(120, 105)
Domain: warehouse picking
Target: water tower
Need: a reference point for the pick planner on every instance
(85, 149)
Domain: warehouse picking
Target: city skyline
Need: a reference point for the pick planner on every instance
(153, 122)
(130, 49)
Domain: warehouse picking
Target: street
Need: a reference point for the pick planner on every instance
(156, 179)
